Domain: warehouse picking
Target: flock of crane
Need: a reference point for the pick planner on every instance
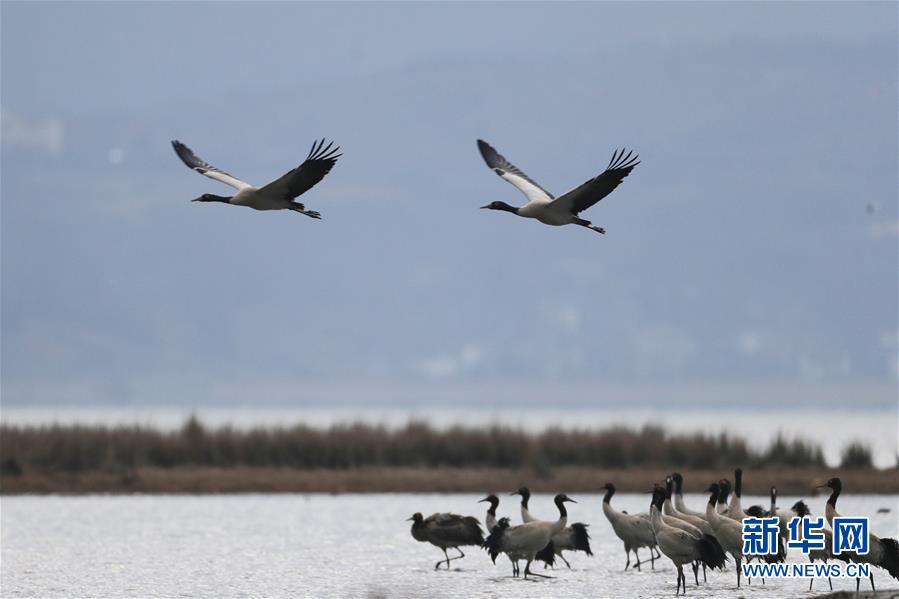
(695, 538)
(541, 205)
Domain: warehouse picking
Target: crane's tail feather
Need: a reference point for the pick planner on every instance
(581, 538)
(891, 556)
(547, 554)
(494, 541)
(711, 553)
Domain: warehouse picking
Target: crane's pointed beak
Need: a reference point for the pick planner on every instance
(572, 500)
(483, 500)
(487, 206)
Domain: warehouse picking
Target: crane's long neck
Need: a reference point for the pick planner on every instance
(773, 500)
(667, 507)
(710, 512)
(563, 516)
(525, 497)
(834, 495)
(490, 518)
(679, 494)
(607, 498)
(655, 517)
(738, 482)
(830, 508)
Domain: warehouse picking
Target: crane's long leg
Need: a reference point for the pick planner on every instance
(695, 574)
(637, 555)
(564, 560)
(437, 565)
(704, 579)
(628, 554)
(738, 572)
(449, 559)
(871, 577)
(527, 570)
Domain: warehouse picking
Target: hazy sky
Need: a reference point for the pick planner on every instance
(755, 246)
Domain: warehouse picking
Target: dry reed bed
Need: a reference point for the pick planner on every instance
(413, 458)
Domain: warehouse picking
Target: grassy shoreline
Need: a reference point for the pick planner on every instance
(212, 480)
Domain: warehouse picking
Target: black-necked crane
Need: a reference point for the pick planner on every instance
(447, 531)
(693, 525)
(524, 541)
(546, 555)
(525, 498)
(882, 552)
(570, 538)
(633, 530)
(679, 497)
(682, 547)
(729, 532)
(669, 509)
(490, 517)
(800, 510)
(724, 489)
(564, 210)
(735, 507)
(277, 195)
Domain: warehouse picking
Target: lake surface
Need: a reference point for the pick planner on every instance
(328, 546)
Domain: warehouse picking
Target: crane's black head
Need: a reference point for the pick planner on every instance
(563, 498)
(492, 499)
(658, 497)
(523, 491)
(756, 511)
(801, 509)
(211, 197)
(835, 484)
(500, 206)
(416, 517)
(724, 486)
(608, 487)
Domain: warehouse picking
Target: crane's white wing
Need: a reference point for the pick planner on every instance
(194, 162)
(513, 174)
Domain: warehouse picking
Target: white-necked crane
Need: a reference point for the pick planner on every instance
(633, 530)
(524, 541)
(682, 547)
(564, 210)
(445, 531)
(277, 195)
(882, 552)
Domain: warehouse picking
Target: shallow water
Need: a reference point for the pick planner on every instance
(327, 546)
